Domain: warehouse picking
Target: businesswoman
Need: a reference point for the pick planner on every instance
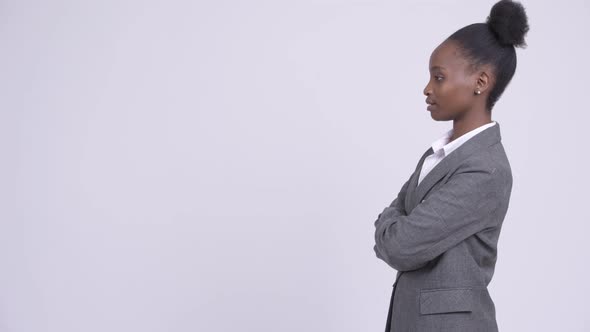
(441, 231)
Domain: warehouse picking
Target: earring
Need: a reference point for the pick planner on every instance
(477, 92)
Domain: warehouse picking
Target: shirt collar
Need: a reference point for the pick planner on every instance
(443, 144)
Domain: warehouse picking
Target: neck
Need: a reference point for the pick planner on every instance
(470, 121)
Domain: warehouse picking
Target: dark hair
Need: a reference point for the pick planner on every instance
(493, 43)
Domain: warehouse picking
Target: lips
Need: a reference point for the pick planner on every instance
(431, 104)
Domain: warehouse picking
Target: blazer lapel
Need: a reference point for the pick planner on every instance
(476, 143)
(414, 180)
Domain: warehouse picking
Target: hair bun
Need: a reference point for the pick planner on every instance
(509, 23)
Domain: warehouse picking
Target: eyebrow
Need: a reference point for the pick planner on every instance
(436, 67)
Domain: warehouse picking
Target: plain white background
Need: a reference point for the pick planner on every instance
(218, 166)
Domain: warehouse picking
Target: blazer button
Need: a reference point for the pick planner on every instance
(423, 201)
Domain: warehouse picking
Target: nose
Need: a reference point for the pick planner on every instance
(427, 90)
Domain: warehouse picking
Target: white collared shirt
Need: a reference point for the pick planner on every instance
(442, 147)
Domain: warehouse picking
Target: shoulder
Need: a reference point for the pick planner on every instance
(493, 166)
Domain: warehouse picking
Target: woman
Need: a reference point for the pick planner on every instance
(441, 232)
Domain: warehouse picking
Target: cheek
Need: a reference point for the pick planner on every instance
(455, 94)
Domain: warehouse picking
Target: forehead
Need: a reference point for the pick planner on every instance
(449, 57)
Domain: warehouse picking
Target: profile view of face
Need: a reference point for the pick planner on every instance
(450, 90)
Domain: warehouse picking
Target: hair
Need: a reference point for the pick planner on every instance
(494, 43)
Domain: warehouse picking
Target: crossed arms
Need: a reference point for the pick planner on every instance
(464, 205)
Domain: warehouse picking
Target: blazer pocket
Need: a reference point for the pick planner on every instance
(445, 300)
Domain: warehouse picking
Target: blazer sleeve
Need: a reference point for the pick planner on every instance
(398, 205)
(396, 208)
(456, 210)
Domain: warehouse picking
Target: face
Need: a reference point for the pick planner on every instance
(452, 85)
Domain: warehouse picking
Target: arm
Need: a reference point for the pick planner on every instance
(396, 208)
(458, 209)
(398, 204)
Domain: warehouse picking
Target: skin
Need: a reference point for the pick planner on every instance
(452, 86)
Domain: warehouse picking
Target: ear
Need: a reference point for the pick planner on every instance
(484, 80)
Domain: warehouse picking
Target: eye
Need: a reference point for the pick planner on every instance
(438, 78)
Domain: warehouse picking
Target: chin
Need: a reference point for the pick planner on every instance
(435, 116)
(440, 116)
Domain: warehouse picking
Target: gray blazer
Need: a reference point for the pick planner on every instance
(441, 236)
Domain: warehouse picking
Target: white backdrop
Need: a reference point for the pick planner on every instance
(218, 166)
